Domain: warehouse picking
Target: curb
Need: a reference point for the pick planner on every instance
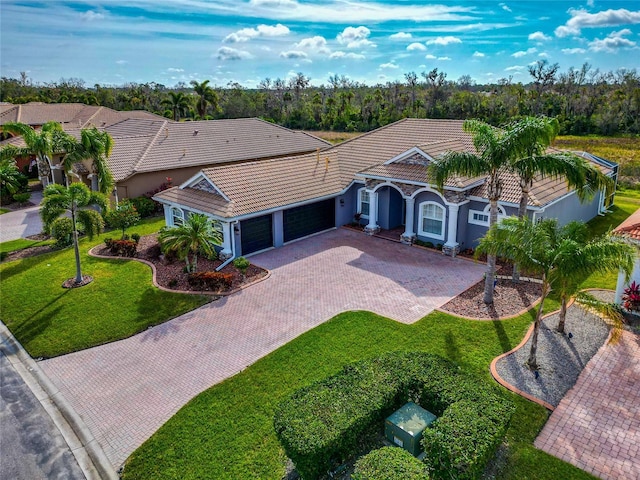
(188, 292)
(85, 448)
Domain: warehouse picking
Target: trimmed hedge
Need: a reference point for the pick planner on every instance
(211, 280)
(390, 463)
(319, 426)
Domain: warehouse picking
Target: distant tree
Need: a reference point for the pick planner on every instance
(179, 104)
(123, 216)
(206, 96)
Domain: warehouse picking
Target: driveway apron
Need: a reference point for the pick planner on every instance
(124, 391)
(22, 223)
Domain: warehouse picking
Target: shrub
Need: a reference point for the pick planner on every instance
(211, 280)
(356, 400)
(242, 264)
(62, 231)
(145, 206)
(389, 463)
(22, 198)
(135, 237)
(123, 248)
(422, 243)
(123, 217)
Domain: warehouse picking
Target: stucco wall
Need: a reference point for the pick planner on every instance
(347, 204)
(144, 182)
(429, 197)
(570, 208)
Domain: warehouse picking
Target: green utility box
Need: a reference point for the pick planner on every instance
(405, 426)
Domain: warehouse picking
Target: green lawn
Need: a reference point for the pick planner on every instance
(49, 320)
(4, 210)
(226, 432)
(21, 244)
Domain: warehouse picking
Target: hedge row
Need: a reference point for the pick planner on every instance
(390, 463)
(319, 426)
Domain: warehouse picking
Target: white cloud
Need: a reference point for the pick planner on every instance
(543, 54)
(400, 36)
(478, 54)
(90, 16)
(522, 53)
(505, 7)
(416, 46)
(316, 42)
(340, 54)
(122, 62)
(444, 59)
(175, 70)
(355, 37)
(293, 54)
(573, 51)
(613, 42)
(227, 53)
(580, 19)
(444, 40)
(274, 3)
(539, 37)
(430, 57)
(515, 68)
(389, 65)
(246, 34)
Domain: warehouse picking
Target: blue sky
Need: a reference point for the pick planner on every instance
(245, 41)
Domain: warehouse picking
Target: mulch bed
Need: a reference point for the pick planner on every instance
(170, 273)
(509, 299)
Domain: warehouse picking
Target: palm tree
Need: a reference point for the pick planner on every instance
(97, 145)
(534, 135)
(552, 252)
(206, 96)
(494, 152)
(9, 177)
(40, 143)
(75, 199)
(178, 102)
(195, 235)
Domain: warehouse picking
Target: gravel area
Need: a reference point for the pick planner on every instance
(561, 358)
(508, 299)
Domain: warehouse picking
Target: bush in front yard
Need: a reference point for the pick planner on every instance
(211, 280)
(319, 426)
(62, 231)
(145, 206)
(122, 248)
(389, 463)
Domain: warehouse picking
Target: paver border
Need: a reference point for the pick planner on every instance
(90, 457)
(188, 292)
(513, 388)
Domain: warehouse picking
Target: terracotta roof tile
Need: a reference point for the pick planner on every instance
(630, 227)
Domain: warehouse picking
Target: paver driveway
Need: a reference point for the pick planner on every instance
(126, 390)
(596, 427)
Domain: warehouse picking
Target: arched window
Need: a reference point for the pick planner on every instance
(363, 202)
(177, 217)
(481, 217)
(431, 222)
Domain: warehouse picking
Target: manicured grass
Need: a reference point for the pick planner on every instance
(4, 210)
(21, 244)
(227, 431)
(49, 320)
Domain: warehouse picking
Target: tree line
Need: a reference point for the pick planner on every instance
(584, 100)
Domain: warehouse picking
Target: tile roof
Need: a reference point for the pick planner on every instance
(630, 227)
(263, 185)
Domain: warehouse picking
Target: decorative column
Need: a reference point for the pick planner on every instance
(226, 251)
(372, 227)
(94, 181)
(452, 247)
(409, 235)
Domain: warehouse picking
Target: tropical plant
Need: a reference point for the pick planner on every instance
(206, 96)
(534, 135)
(123, 216)
(76, 200)
(41, 143)
(196, 235)
(9, 177)
(552, 252)
(178, 102)
(97, 146)
(494, 152)
(631, 297)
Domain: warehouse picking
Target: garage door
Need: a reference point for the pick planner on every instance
(307, 219)
(257, 234)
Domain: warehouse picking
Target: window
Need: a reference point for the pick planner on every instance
(363, 203)
(177, 217)
(481, 217)
(432, 220)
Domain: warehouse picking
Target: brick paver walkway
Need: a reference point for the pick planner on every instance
(126, 390)
(596, 427)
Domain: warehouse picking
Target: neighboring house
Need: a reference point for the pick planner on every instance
(150, 151)
(629, 229)
(380, 175)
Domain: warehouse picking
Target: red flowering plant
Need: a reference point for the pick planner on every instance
(631, 297)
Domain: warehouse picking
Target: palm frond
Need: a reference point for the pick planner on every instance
(609, 312)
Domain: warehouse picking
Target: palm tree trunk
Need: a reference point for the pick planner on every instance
(490, 276)
(562, 315)
(532, 362)
(522, 212)
(76, 248)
